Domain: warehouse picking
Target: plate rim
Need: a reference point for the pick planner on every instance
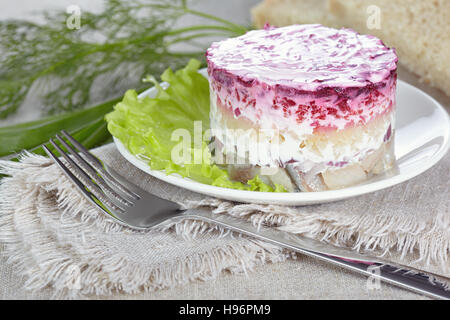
(299, 198)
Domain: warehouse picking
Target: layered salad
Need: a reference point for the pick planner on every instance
(304, 106)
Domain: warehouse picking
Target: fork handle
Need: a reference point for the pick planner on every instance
(372, 267)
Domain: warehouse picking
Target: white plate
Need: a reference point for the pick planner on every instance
(421, 140)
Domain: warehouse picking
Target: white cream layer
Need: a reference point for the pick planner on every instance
(266, 149)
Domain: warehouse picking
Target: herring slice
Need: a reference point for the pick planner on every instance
(304, 181)
(344, 177)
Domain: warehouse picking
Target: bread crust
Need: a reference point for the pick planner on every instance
(419, 30)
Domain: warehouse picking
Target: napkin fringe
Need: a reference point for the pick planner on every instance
(380, 235)
(21, 220)
(71, 277)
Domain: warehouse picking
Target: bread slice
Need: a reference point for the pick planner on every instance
(418, 29)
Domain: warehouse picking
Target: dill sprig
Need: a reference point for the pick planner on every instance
(123, 43)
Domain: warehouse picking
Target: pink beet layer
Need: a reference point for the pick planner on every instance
(325, 78)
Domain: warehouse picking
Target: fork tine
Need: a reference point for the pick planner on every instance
(89, 195)
(82, 149)
(83, 164)
(121, 185)
(76, 171)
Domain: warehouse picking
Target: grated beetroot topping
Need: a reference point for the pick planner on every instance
(329, 78)
(304, 57)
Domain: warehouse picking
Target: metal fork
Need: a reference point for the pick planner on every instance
(134, 207)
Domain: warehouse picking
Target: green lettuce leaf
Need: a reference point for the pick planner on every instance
(145, 127)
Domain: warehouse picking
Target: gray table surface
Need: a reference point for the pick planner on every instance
(272, 281)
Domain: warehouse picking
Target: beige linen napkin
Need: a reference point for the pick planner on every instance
(57, 239)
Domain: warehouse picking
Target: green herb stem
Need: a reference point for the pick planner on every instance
(51, 53)
(235, 27)
(29, 135)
